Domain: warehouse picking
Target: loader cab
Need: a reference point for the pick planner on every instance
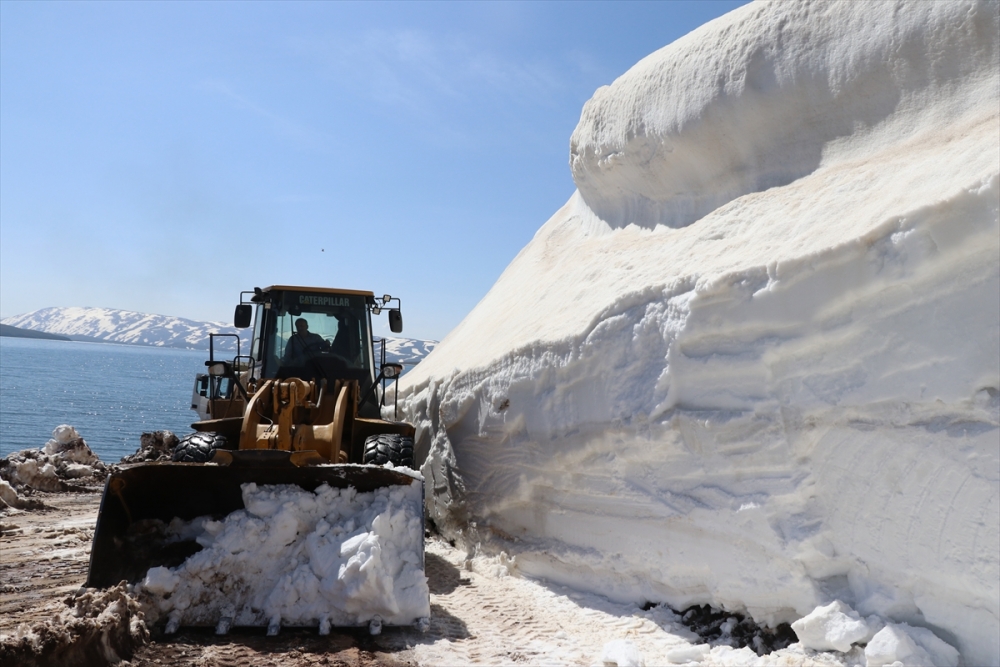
(313, 334)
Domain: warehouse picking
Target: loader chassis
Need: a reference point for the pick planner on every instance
(301, 408)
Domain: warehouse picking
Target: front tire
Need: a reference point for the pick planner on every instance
(389, 448)
(198, 447)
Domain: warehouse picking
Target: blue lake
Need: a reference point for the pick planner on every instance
(110, 393)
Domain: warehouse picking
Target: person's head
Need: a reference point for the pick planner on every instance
(301, 325)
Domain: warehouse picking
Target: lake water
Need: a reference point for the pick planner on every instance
(110, 393)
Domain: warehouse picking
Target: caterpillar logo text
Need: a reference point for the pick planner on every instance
(317, 300)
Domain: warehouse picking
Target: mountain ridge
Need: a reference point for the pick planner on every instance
(113, 325)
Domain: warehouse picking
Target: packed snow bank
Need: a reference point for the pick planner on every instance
(771, 93)
(294, 557)
(754, 361)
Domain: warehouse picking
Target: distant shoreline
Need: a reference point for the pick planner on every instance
(17, 332)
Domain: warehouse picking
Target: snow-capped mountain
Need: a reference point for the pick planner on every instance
(406, 351)
(125, 326)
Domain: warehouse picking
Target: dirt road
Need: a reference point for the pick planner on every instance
(482, 613)
(44, 555)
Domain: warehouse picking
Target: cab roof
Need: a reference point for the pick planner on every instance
(317, 290)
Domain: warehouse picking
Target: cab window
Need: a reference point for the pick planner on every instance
(317, 335)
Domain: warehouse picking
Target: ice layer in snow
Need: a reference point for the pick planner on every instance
(295, 557)
(754, 361)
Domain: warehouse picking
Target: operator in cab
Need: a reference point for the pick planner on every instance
(302, 345)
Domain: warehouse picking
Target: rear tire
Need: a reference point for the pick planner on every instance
(389, 448)
(198, 447)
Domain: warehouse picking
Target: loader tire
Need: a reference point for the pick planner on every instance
(198, 447)
(389, 448)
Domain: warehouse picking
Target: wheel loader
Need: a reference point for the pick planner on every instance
(303, 407)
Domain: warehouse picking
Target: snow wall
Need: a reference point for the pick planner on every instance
(754, 360)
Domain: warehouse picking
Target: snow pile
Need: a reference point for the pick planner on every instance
(837, 627)
(155, 446)
(294, 557)
(753, 362)
(68, 445)
(99, 628)
(64, 463)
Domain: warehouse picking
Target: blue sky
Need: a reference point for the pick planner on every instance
(161, 157)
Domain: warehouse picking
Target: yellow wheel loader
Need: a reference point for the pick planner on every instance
(303, 407)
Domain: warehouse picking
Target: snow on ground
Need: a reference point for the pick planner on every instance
(484, 613)
(755, 360)
(333, 556)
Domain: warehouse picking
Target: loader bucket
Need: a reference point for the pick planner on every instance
(138, 497)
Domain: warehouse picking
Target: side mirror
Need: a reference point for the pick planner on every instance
(395, 320)
(243, 316)
(392, 371)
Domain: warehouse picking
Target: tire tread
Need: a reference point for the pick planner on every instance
(389, 448)
(198, 447)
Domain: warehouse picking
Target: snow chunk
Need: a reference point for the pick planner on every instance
(621, 653)
(41, 476)
(8, 496)
(61, 435)
(727, 656)
(160, 581)
(900, 643)
(305, 558)
(77, 471)
(689, 653)
(834, 627)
